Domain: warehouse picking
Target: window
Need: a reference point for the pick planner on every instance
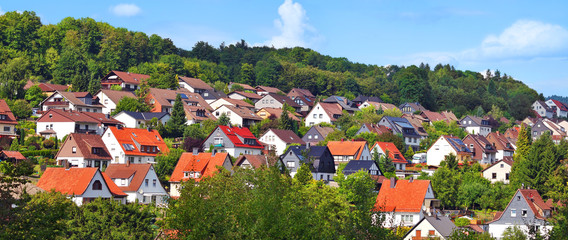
(218, 140)
(493, 175)
(6, 129)
(154, 183)
(143, 199)
(506, 176)
(524, 213)
(315, 115)
(50, 126)
(74, 149)
(518, 198)
(128, 147)
(309, 136)
(431, 233)
(502, 165)
(145, 182)
(106, 101)
(290, 164)
(316, 136)
(513, 212)
(321, 115)
(97, 185)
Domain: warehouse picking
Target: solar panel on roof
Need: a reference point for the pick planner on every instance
(404, 125)
(183, 96)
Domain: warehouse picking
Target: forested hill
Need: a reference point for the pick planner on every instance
(81, 51)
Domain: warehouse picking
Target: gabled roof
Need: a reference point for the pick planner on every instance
(331, 109)
(457, 144)
(5, 110)
(508, 161)
(375, 128)
(145, 115)
(138, 136)
(59, 115)
(277, 112)
(237, 102)
(477, 120)
(287, 136)
(248, 95)
(243, 112)
(85, 143)
(256, 160)
(233, 133)
(128, 77)
(354, 166)
(73, 181)
(346, 148)
(415, 105)
(191, 113)
(433, 116)
(166, 97)
(137, 172)
(343, 102)
(13, 154)
(300, 92)
(284, 99)
(560, 105)
(499, 141)
(362, 99)
(267, 89)
(309, 101)
(533, 199)
(195, 83)
(394, 153)
(544, 105)
(481, 143)
(204, 163)
(381, 105)
(406, 196)
(245, 86)
(323, 131)
(73, 97)
(318, 155)
(443, 225)
(49, 87)
(115, 96)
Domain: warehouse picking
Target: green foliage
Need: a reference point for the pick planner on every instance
(130, 104)
(514, 233)
(285, 122)
(223, 120)
(446, 185)
(304, 174)
(350, 132)
(116, 87)
(34, 95)
(439, 128)
(165, 163)
(176, 125)
(358, 189)
(409, 153)
(385, 164)
(461, 222)
(42, 153)
(20, 108)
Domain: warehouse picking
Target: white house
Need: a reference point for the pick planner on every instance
(76, 101)
(431, 227)
(229, 101)
(444, 146)
(238, 116)
(81, 185)
(542, 109)
(57, 122)
(560, 108)
(345, 151)
(139, 181)
(323, 113)
(499, 171)
(141, 119)
(402, 209)
(110, 98)
(475, 125)
(278, 139)
(134, 145)
(233, 140)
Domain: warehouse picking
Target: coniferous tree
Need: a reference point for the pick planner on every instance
(409, 153)
(304, 174)
(176, 124)
(223, 120)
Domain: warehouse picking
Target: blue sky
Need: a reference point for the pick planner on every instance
(525, 39)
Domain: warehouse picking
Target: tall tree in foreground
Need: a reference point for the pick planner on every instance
(176, 124)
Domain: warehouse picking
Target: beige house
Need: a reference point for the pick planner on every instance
(499, 171)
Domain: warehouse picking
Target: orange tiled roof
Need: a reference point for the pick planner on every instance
(394, 153)
(406, 196)
(203, 163)
(5, 110)
(14, 154)
(138, 173)
(346, 148)
(142, 136)
(73, 181)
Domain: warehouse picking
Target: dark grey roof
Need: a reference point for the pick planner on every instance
(354, 166)
(321, 163)
(442, 224)
(146, 115)
(362, 98)
(345, 103)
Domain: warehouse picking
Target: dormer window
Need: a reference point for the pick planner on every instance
(74, 149)
(96, 150)
(4, 117)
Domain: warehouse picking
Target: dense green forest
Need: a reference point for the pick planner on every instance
(81, 51)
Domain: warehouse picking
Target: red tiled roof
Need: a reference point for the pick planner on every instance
(115, 190)
(196, 83)
(59, 115)
(73, 181)
(277, 112)
(346, 148)
(132, 78)
(233, 134)
(85, 143)
(393, 151)
(406, 196)
(138, 172)
(378, 129)
(49, 87)
(5, 110)
(560, 105)
(142, 136)
(204, 163)
(13, 154)
(300, 92)
(115, 96)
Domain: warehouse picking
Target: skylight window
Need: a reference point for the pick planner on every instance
(134, 134)
(128, 147)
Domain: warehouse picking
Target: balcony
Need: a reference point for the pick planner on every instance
(88, 131)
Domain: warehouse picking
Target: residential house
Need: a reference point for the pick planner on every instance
(196, 114)
(295, 92)
(278, 139)
(139, 181)
(76, 101)
(405, 202)
(264, 90)
(11, 156)
(82, 185)
(162, 100)
(411, 107)
(319, 159)
(141, 119)
(382, 148)
(47, 88)
(345, 151)
(559, 108)
(499, 171)
(556, 131)
(482, 150)
(512, 134)
(432, 227)
(273, 100)
(194, 85)
(323, 113)
(110, 98)
(369, 166)
(404, 127)
(83, 150)
(240, 95)
(501, 144)
(233, 140)
(344, 103)
(525, 210)
(542, 109)
(379, 106)
(475, 125)
(197, 166)
(361, 99)
(275, 113)
(304, 98)
(126, 80)
(246, 87)
(417, 122)
(257, 161)
(133, 145)
(446, 145)
(445, 116)
(8, 121)
(233, 102)
(238, 116)
(372, 128)
(58, 123)
(316, 134)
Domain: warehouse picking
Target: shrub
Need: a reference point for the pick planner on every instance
(48, 143)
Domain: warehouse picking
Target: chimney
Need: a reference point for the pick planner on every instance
(128, 163)
(393, 182)
(411, 179)
(149, 129)
(108, 116)
(119, 126)
(213, 153)
(195, 151)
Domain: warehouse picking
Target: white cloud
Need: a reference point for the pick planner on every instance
(125, 10)
(293, 27)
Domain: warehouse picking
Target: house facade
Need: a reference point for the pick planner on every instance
(229, 101)
(393, 153)
(319, 159)
(316, 134)
(446, 145)
(238, 116)
(431, 227)
(501, 144)
(76, 101)
(483, 151)
(323, 113)
(499, 171)
(8, 121)
(404, 127)
(133, 145)
(162, 100)
(195, 166)
(475, 125)
(83, 150)
(345, 151)
(411, 107)
(140, 119)
(278, 140)
(559, 108)
(126, 80)
(257, 161)
(369, 166)
(194, 85)
(233, 140)
(273, 100)
(57, 122)
(139, 181)
(110, 98)
(542, 109)
(374, 128)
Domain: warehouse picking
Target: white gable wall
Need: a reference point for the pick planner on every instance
(274, 141)
(439, 150)
(500, 170)
(316, 116)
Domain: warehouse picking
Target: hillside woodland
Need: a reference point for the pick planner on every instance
(81, 51)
